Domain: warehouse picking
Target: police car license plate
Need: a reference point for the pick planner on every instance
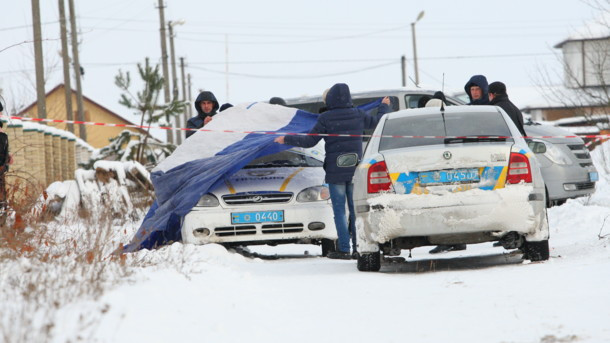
(593, 176)
(257, 217)
(449, 176)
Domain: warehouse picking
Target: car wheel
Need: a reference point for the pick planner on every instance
(536, 251)
(369, 262)
(328, 245)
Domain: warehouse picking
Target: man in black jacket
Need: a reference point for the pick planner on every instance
(206, 106)
(341, 118)
(498, 97)
(5, 159)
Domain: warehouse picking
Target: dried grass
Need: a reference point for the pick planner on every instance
(46, 264)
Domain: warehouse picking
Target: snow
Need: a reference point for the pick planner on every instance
(187, 293)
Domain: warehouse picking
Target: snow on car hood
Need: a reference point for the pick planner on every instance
(279, 179)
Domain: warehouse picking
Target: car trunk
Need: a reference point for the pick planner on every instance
(445, 168)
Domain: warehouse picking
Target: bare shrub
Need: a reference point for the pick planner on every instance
(47, 264)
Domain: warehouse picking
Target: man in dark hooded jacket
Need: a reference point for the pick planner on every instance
(206, 106)
(341, 118)
(498, 97)
(477, 90)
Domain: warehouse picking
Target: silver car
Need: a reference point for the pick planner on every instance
(565, 164)
(468, 178)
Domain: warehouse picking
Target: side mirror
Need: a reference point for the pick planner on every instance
(537, 147)
(347, 160)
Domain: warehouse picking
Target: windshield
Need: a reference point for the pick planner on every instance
(456, 124)
(286, 158)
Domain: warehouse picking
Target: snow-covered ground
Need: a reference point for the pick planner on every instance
(186, 293)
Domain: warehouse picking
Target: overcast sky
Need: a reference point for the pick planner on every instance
(290, 49)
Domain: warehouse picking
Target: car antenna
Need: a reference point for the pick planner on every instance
(442, 102)
(443, 105)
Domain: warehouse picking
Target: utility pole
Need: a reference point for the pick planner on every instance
(403, 63)
(80, 111)
(170, 133)
(177, 120)
(419, 16)
(185, 114)
(40, 94)
(66, 64)
(190, 100)
(227, 65)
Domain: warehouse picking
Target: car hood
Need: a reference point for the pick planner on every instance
(280, 179)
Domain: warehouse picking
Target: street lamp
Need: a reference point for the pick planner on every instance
(419, 16)
(170, 26)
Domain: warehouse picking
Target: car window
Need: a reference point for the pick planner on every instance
(456, 124)
(312, 107)
(362, 101)
(286, 158)
(412, 100)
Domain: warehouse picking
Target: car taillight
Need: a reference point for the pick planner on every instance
(518, 169)
(378, 179)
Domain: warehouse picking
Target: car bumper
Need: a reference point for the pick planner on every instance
(516, 208)
(564, 183)
(302, 223)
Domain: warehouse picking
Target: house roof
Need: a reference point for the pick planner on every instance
(60, 86)
(596, 29)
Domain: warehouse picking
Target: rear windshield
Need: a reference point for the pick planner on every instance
(412, 100)
(456, 124)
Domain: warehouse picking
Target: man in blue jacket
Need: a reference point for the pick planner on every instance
(206, 106)
(477, 89)
(340, 118)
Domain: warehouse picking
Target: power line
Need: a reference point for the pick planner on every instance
(26, 26)
(389, 61)
(297, 76)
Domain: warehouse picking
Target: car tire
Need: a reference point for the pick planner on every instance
(328, 245)
(536, 251)
(369, 262)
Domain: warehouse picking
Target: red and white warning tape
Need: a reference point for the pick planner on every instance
(598, 137)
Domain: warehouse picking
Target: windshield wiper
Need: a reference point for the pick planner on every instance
(473, 139)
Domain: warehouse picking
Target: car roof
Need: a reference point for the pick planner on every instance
(447, 110)
(366, 94)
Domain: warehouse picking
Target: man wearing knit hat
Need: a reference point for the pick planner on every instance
(498, 97)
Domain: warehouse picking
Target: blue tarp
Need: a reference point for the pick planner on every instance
(179, 189)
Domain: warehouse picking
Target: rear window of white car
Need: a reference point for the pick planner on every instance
(454, 124)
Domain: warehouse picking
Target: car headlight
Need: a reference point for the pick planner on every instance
(317, 193)
(555, 154)
(208, 200)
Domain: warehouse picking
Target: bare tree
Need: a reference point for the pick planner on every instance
(585, 62)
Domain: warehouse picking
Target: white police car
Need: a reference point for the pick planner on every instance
(473, 180)
(275, 199)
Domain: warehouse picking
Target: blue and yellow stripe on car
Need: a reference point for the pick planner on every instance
(366, 165)
(527, 153)
(490, 178)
